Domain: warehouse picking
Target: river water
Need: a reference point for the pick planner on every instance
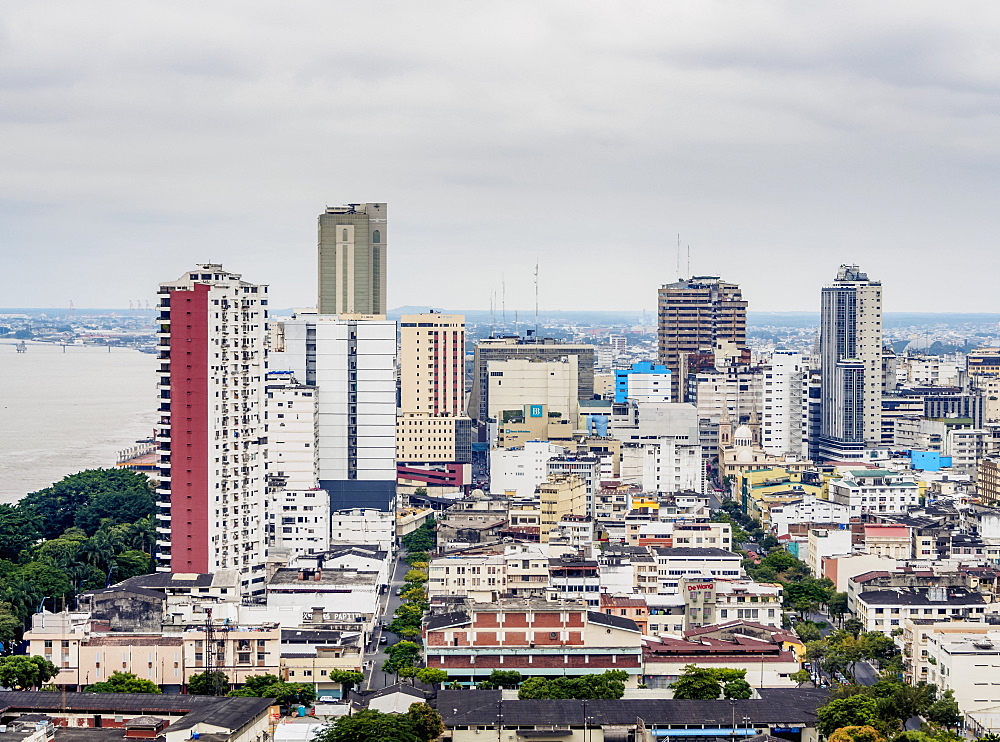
(63, 411)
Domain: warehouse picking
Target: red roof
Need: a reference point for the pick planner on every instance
(887, 531)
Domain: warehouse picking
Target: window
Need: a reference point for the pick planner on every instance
(376, 236)
(343, 235)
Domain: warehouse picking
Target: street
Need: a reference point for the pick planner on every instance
(375, 654)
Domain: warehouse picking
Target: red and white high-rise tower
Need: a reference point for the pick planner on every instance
(210, 436)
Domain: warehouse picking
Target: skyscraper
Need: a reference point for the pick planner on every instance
(210, 500)
(851, 365)
(433, 436)
(352, 362)
(352, 259)
(697, 317)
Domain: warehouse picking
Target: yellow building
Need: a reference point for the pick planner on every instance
(559, 496)
(762, 488)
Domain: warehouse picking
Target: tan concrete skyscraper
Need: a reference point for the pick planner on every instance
(433, 434)
(695, 316)
(352, 259)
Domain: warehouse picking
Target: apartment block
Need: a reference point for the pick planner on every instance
(210, 434)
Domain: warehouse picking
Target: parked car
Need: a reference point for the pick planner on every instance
(383, 640)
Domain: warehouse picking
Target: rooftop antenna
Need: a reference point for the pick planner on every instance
(492, 323)
(503, 299)
(536, 301)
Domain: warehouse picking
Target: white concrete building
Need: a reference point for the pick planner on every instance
(824, 543)
(364, 526)
(520, 470)
(875, 491)
(666, 465)
(210, 431)
(810, 509)
(299, 521)
(290, 414)
(675, 563)
(784, 415)
(352, 360)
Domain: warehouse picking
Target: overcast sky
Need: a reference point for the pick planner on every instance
(779, 139)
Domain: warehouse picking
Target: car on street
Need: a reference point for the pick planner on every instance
(383, 640)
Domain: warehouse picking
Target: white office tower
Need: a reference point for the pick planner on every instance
(520, 470)
(210, 435)
(663, 465)
(851, 363)
(299, 521)
(784, 414)
(290, 409)
(351, 359)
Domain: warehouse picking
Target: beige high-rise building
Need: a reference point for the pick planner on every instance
(517, 382)
(695, 316)
(433, 434)
(352, 259)
(560, 495)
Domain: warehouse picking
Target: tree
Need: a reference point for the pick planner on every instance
(21, 672)
(19, 529)
(807, 631)
(945, 711)
(401, 654)
(697, 684)
(857, 710)
(415, 576)
(431, 675)
(856, 734)
(737, 688)
(370, 725)
(801, 676)
(854, 627)
(116, 495)
(503, 679)
(347, 679)
(124, 682)
(609, 685)
(420, 723)
(837, 605)
(288, 694)
(214, 683)
(426, 721)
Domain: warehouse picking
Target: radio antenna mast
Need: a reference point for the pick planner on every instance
(536, 301)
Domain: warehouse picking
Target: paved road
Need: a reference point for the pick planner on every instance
(374, 654)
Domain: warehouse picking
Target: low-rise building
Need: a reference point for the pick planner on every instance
(875, 491)
(534, 637)
(885, 610)
(676, 563)
(710, 602)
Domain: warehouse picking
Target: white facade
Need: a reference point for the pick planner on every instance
(520, 470)
(810, 509)
(675, 564)
(649, 420)
(824, 543)
(875, 491)
(784, 417)
(648, 387)
(211, 494)
(290, 411)
(668, 466)
(352, 360)
(299, 520)
(364, 526)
